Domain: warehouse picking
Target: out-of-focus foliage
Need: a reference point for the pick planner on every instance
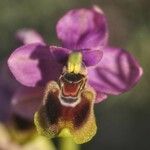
(6, 142)
(123, 121)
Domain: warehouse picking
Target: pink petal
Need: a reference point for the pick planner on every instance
(83, 28)
(28, 36)
(27, 101)
(91, 57)
(33, 65)
(117, 72)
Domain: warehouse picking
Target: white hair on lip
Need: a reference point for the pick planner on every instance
(67, 104)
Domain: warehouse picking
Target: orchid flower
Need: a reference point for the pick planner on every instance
(82, 71)
(15, 100)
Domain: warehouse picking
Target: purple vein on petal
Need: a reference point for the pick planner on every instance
(117, 72)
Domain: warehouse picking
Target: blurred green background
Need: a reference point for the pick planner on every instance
(123, 121)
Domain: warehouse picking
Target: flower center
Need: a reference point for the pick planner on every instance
(71, 85)
(74, 62)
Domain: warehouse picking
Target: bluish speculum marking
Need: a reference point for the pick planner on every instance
(71, 85)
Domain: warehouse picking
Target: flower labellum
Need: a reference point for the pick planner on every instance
(67, 108)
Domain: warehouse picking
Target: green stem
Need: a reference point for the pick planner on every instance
(68, 144)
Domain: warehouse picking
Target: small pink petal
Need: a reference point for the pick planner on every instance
(60, 54)
(28, 36)
(91, 57)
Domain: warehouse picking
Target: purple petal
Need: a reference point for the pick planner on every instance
(90, 57)
(4, 106)
(117, 72)
(7, 80)
(27, 101)
(60, 54)
(28, 36)
(83, 28)
(33, 65)
(7, 88)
